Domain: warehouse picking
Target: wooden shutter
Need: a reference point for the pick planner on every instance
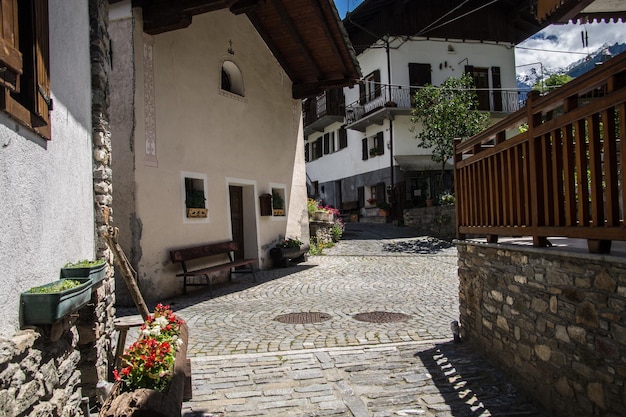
(318, 150)
(10, 56)
(43, 101)
(326, 143)
(343, 137)
(380, 143)
(497, 85)
(362, 92)
(364, 149)
(377, 86)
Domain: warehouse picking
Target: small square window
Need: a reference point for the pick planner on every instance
(278, 201)
(195, 196)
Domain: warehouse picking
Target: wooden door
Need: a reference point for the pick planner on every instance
(236, 217)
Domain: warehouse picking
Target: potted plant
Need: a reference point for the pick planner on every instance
(373, 152)
(371, 201)
(194, 202)
(287, 250)
(383, 208)
(95, 270)
(153, 377)
(278, 205)
(48, 303)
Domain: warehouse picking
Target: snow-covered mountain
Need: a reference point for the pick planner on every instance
(531, 75)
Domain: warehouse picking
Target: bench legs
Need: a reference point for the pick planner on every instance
(208, 283)
(235, 271)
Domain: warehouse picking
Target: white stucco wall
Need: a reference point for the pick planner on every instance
(253, 141)
(46, 197)
(348, 162)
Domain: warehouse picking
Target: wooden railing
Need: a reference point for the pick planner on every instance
(554, 168)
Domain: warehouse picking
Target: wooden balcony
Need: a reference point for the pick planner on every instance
(564, 176)
(323, 110)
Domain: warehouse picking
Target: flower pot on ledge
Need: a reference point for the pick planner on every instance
(38, 309)
(96, 272)
(149, 402)
(197, 212)
(282, 256)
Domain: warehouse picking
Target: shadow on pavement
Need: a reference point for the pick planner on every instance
(469, 386)
(239, 283)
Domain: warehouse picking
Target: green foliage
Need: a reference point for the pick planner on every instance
(552, 82)
(195, 199)
(63, 285)
(289, 243)
(84, 263)
(384, 205)
(277, 201)
(445, 113)
(447, 199)
(337, 231)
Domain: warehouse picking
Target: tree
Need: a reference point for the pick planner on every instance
(445, 113)
(552, 82)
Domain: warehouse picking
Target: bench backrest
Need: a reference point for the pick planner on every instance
(203, 251)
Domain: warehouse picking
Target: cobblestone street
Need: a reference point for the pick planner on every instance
(329, 362)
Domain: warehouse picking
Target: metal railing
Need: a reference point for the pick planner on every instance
(554, 168)
(497, 100)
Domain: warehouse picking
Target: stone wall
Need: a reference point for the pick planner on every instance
(98, 336)
(438, 221)
(554, 320)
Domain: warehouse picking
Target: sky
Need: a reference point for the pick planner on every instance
(555, 47)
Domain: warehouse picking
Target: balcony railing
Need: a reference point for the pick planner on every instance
(498, 100)
(330, 103)
(554, 168)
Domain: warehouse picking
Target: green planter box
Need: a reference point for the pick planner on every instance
(38, 309)
(95, 273)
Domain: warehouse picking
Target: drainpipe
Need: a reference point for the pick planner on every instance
(392, 175)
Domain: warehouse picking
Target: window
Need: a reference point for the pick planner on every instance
(278, 201)
(24, 52)
(232, 81)
(194, 194)
(306, 152)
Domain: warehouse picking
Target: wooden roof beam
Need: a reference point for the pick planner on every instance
(288, 22)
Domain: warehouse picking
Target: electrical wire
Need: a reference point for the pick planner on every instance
(461, 16)
(437, 21)
(551, 50)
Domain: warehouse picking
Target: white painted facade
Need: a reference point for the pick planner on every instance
(46, 189)
(447, 58)
(183, 125)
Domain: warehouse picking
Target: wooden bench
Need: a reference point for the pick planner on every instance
(211, 253)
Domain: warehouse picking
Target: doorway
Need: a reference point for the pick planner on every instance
(243, 222)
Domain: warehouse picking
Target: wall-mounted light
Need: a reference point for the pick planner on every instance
(450, 48)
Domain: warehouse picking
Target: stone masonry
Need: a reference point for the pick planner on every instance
(555, 321)
(437, 221)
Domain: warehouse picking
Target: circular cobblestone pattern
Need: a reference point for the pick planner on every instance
(381, 317)
(303, 318)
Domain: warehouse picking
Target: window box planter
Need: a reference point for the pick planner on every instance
(47, 308)
(149, 402)
(282, 256)
(322, 216)
(95, 270)
(197, 212)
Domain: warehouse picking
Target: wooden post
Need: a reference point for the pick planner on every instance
(121, 262)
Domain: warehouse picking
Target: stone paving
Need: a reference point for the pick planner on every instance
(245, 363)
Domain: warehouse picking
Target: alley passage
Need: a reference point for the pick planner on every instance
(364, 330)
